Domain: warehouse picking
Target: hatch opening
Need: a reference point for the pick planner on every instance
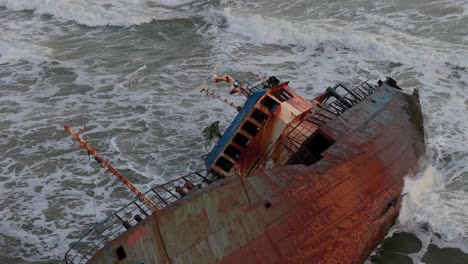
(312, 150)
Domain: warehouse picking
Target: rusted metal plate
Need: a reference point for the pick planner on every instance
(141, 244)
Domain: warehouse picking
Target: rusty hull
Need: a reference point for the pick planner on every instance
(334, 211)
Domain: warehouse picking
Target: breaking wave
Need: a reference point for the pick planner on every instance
(102, 13)
(395, 46)
(433, 212)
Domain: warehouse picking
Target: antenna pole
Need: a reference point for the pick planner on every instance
(114, 171)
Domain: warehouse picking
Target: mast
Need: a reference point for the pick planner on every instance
(114, 171)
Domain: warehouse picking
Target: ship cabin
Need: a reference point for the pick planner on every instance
(262, 121)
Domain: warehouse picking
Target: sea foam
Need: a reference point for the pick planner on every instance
(399, 48)
(100, 13)
(14, 52)
(430, 208)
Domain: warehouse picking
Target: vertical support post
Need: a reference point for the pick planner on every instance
(141, 209)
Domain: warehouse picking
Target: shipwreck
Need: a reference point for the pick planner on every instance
(291, 180)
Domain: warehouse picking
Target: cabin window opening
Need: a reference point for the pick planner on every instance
(121, 253)
(224, 164)
(269, 103)
(282, 95)
(250, 128)
(241, 140)
(259, 116)
(312, 150)
(232, 152)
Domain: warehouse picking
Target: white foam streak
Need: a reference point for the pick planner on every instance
(14, 52)
(133, 78)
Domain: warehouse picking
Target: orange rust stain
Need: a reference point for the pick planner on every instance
(135, 236)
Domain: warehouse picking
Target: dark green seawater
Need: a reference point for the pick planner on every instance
(129, 71)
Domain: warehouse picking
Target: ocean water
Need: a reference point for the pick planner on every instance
(130, 70)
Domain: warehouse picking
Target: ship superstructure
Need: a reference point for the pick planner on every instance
(285, 123)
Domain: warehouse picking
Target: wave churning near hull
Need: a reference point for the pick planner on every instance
(431, 225)
(430, 208)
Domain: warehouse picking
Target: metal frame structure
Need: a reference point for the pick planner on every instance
(301, 131)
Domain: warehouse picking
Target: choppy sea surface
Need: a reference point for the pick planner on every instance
(129, 71)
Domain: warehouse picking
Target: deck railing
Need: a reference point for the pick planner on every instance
(281, 152)
(351, 98)
(123, 219)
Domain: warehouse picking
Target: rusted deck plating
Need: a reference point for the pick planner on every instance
(278, 214)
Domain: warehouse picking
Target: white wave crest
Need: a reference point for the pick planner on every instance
(99, 13)
(394, 46)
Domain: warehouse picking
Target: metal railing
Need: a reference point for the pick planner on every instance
(351, 98)
(321, 116)
(287, 146)
(283, 151)
(123, 219)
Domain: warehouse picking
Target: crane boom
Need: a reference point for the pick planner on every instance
(114, 171)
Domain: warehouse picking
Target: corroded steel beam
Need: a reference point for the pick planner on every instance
(114, 171)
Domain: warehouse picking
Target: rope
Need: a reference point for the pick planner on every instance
(242, 64)
(113, 187)
(94, 200)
